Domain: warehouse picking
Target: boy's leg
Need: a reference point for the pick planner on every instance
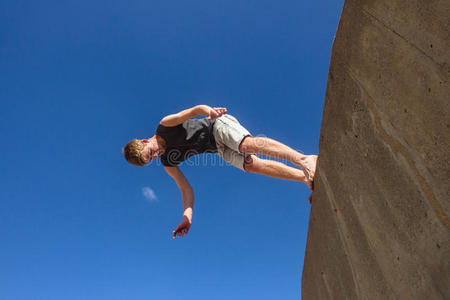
(234, 143)
(270, 147)
(273, 168)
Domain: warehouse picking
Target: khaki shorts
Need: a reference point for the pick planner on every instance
(229, 133)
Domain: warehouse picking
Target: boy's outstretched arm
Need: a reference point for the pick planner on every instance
(199, 110)
(187, 195)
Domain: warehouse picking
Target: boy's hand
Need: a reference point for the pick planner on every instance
(182, 228)
(216, 112)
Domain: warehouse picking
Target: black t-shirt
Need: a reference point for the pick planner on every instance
(192, 137)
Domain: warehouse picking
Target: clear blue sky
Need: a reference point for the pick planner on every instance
(78, 79)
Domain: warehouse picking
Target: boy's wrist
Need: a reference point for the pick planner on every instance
(203, 110)
(189, 217)
(188, 214)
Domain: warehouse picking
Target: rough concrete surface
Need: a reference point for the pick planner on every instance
(379, 225)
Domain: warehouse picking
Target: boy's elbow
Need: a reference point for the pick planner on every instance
(186, 189)
(170, 120)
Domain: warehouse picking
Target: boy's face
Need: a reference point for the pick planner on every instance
(150, 150)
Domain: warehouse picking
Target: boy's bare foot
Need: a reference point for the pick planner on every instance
(308, 165)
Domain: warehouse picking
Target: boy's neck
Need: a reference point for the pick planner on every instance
(160, 142)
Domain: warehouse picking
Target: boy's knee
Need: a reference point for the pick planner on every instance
(249, 163)
(244, 146)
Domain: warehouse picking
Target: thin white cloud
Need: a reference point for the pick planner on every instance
(149, 194)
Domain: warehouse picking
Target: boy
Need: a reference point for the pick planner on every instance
(179, 136)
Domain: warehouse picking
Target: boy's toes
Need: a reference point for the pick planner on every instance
(310, 185)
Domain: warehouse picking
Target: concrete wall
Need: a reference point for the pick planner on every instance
(379, 226)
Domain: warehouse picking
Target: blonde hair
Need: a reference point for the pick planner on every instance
(132, 152)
